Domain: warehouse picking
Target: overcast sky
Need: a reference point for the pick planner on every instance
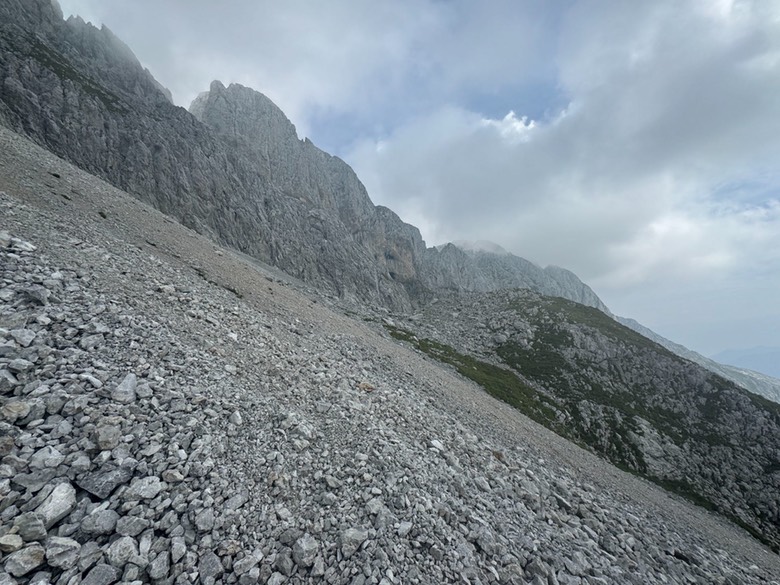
(635, 143)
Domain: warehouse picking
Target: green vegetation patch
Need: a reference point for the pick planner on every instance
(610, 437)
(498, 382)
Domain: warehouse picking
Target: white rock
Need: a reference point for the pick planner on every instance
(124, 393)
(59, 504)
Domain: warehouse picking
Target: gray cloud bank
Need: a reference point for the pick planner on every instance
(658, 183)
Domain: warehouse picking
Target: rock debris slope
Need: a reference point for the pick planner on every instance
(234, 168)
(172, 414)
(581, 373)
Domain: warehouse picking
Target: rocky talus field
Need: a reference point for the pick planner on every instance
(171, 412)
(587, 377)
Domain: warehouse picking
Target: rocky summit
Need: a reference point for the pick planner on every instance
(221, 363)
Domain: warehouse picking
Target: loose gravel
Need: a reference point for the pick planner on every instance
(171, 412)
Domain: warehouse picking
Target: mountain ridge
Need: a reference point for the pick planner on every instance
(753, 381)
(239, 174)
(761, 358)
(235, 171)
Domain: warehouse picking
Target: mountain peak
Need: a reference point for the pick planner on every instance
(480, 246)
(239, 111)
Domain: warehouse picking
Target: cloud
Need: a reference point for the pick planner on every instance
(302, 54)
(667, 103)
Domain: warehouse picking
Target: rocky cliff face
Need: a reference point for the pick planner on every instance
(340, 239)
(80, 93)
(233, 168)
(462, 267)
(756, 382)
(590, 379)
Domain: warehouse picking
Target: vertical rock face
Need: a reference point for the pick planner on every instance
(340, 235)
(232, 168)
(463, 267)
(240, 175)
(566, 284)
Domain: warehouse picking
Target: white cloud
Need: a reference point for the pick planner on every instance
(657, 184)
(304, 55)
(620, 187)
(512, 128)
(367, 59)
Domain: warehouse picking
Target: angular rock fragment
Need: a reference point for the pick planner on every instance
(37, 293)
(10, 543)
(103, 482)
(305, 551)
(62, 553)
(351, 539)
(25, 560)
(91, 342)
(59, 504)
(209, 566)
(22, 245)
(107, 436)
(89, 554)
(318, 570)
(124, 393)
(121, 551)
(178, 548)
(46, 457)
(131, 525)
(144, 488)
(7, 445)
(284, 562)
(23, 337)
(101, 575)
(14, 410)
(100, 522)
(30, 526)
(245, 565)
(205, 520)
(20, 365)
(172, 476)
(159, 567)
